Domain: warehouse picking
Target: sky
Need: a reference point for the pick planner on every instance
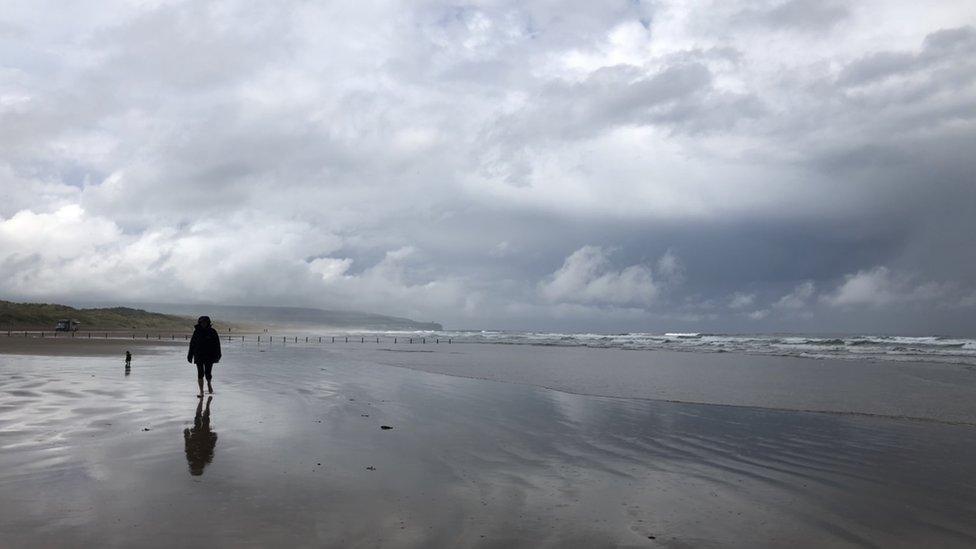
(612, 166)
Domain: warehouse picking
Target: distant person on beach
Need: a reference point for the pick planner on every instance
(128, 359)
(204, 351)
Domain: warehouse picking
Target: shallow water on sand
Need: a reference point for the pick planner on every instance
(291, 453)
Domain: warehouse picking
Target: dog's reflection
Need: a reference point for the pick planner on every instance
(200, 440)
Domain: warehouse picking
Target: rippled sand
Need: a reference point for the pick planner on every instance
(289, 452)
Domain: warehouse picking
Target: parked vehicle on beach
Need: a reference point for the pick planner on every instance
(67, 325)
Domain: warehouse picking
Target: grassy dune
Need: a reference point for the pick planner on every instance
(44, 316)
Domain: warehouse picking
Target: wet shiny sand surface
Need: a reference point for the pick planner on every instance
(290, 452)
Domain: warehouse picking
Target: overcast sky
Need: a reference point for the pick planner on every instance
(754, 165)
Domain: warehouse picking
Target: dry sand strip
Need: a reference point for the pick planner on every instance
(78, 346)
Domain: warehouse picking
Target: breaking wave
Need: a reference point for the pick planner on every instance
(860, 347)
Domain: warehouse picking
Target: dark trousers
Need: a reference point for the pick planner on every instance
(204, 370)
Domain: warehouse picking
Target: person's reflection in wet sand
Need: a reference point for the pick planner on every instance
(200, 440)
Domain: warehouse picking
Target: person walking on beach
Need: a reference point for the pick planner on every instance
(128, 359)
(204, 351)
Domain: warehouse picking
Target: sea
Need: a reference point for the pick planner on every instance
(847, 347)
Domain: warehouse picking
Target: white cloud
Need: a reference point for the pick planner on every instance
(798, 298)
(66, 232)
(873, 287)
(426, 158)
(72, 251)
(880, 286)
(394, 280)
(330, 267)
(670, 268)
(758, 314)
(588, 277)
(740, 300)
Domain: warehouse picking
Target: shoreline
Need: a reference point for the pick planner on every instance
(254, 337)
(930, 392)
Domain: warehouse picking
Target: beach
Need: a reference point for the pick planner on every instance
(487, 446)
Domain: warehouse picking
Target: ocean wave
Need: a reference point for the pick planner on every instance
(856, 347)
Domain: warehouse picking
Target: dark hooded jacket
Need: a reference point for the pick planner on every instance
(204, 345)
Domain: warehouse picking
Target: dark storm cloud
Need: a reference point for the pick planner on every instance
(625, 166)
(942, 49)
(875, 67)
(679, 95)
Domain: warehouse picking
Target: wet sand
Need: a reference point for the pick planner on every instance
(906, 390)
(292, 453)
(79, 346)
